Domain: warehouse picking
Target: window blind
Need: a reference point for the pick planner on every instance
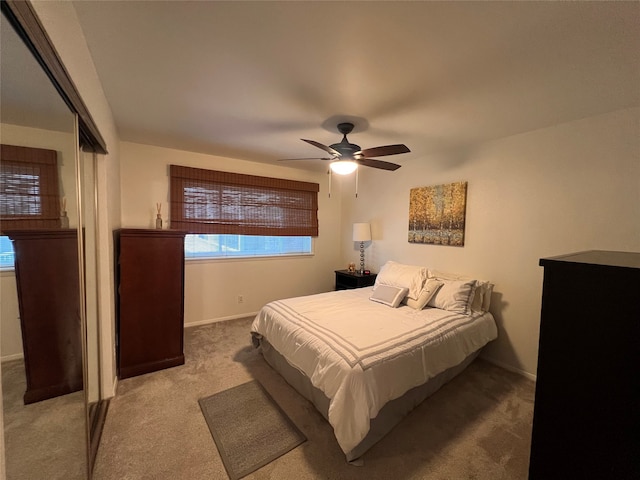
(29, 194)
(210, 201)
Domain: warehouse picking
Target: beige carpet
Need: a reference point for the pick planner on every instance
(476, 427)
(43, 440)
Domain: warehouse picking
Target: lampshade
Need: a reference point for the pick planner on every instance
(343, 167)
(361, 232)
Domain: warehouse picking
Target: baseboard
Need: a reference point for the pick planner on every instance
(511, 368)
(219, 319)
(114, 390)
(128, 371)
(38, 393)
(15, 356)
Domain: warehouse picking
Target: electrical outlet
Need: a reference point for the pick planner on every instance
(240, 299)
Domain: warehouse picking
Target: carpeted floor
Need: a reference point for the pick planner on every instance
(43, 440)
(476, 427)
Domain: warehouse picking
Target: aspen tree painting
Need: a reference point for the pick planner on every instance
(437, 214)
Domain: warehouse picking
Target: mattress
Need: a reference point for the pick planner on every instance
(361, 354)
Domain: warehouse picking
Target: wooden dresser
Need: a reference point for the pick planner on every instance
(586, 422)
(149, 300)
(47, 274)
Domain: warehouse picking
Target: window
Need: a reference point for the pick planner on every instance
(236, 215)
(6, 253)
(229, 246)
(213, 202)
(29, 195)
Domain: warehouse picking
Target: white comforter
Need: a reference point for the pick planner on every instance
(362, 354)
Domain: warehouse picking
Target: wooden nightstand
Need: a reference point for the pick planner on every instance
(347, 280)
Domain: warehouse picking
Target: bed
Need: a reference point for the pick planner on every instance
(366, 357)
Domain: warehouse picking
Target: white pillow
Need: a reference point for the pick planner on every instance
(482, 295)
(487, 290)
(430, 288)
(388, 295)
(396, 274)
(454, 296)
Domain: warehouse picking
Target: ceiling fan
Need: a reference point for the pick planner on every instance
(345, 156)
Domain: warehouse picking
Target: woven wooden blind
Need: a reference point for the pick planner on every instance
(29, 193)
(209, 201)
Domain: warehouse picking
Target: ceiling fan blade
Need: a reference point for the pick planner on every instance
(385, 150)
(329, 150)
(372, 162)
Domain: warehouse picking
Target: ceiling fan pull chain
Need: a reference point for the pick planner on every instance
(357, 183)
(329, 172)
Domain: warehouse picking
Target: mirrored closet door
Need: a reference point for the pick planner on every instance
(96, 408)
(49, 340)
(42, 373)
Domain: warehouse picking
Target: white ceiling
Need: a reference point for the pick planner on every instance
(248, 80)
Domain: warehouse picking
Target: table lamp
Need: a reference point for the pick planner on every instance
(361, 233)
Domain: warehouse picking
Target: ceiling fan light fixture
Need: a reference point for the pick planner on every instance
(343, 167)
(346, 157)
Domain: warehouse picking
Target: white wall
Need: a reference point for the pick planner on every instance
(212, 286)
(567, 188)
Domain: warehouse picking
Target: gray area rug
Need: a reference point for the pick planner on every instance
(249, 428)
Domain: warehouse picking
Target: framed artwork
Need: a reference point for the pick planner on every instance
(437, 214)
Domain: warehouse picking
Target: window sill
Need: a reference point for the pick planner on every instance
(7, 272)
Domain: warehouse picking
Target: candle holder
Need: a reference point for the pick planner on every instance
(64, 219)
(159, 216)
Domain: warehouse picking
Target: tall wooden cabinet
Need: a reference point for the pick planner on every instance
(47, 280)
(149, 300)
(586, 422)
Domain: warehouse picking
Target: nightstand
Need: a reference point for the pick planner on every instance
(346, 280)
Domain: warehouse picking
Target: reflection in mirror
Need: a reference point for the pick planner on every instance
(89, 229)
(44, 412)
